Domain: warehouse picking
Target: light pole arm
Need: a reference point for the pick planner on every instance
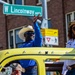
(3, 2)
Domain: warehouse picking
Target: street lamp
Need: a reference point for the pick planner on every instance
(3, 2)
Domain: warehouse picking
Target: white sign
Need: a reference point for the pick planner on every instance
(44, 23)
(51, 40)
(50, 36)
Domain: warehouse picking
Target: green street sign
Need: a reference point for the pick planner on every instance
(25, 10)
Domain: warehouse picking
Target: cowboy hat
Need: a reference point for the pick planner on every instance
(71, 23)
(17, 66)
(23, 30)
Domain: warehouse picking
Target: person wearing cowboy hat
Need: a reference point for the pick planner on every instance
(69, 65)
(16, 69)
(32, 38)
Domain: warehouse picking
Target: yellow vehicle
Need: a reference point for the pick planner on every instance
(39, 54)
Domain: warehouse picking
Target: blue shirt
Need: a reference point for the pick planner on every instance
(37, 42)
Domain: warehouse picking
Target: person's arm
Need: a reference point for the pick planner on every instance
(64, 69)
(38, 36)
(37, 42)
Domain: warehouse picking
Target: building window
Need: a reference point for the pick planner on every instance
(69, 18)
(14, 40)
(10, 1)
(74, 15)
(49, 23)
(11, 39)
(20, 2)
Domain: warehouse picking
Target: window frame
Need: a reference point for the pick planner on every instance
(14, 39)
(13, 1)
(72, 18)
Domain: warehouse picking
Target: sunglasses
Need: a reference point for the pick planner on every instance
(73, 28)
(29, 32)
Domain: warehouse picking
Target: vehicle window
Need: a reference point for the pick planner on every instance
(20, 66)
(54, 67)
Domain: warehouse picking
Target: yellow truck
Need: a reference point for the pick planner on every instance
(40, 55)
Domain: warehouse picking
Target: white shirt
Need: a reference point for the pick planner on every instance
(69, 44)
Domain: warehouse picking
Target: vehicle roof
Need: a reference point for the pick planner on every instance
(47, 52)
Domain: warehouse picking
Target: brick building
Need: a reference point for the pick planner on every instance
(61, 13)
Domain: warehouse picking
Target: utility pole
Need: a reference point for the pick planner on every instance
(45, 14)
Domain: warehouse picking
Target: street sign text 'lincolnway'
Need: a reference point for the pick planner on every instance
(24, 10)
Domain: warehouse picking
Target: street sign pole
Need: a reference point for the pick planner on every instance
(45, 14)
(45, 22)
